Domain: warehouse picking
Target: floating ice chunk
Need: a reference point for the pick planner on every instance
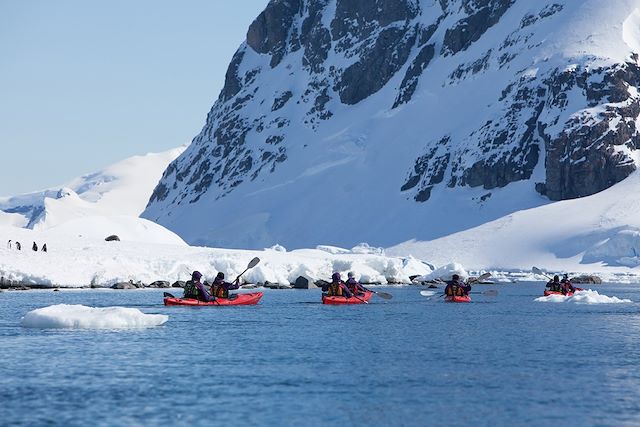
(427, 293)
(444, 273)
(584, 297)
(65, 316)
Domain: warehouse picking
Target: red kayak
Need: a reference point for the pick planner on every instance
(241, 299)
(456, 298)
(569, 294)
(334, 300)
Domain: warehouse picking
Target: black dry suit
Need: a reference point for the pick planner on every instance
(191, 290)
(554, 285)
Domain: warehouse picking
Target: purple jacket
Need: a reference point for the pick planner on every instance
(354, 286)
(204, 294)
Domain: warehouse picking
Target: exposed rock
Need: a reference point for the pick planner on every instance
(128, 285)
(112, 238)
(587, 279)
(178, 284)
(303, 283)
(160, 284)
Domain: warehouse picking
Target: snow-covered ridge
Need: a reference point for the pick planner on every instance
(344, 121)
(121, 189)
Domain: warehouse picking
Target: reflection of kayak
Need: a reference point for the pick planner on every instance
(241, 299)
(456, 298)
(334, 300)
(547, 293)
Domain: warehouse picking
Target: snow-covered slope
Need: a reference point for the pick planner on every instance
(108, 201)
(344, 121)
(594, 233)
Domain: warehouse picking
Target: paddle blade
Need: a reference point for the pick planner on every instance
(484, 276)
(168, 295)
(253, 262)
(384, 295)
(537, 270)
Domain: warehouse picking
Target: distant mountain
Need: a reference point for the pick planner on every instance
(388, 120)
(121, 189)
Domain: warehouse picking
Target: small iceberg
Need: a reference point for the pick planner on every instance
(584, 297)
(65, 316)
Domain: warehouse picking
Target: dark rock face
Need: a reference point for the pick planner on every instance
(483, 14)
(305, 62)
(269, 32)
(589, 157)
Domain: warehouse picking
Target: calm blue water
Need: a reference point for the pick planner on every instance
(500, 361)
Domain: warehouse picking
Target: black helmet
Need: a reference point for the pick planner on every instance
(556, 278)
(455, 277)
(220, 275)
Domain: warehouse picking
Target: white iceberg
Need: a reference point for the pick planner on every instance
(65, 316)
(584, 297)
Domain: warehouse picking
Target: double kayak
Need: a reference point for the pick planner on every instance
(456, 298)
(240, 299)
(547, 293)
(336, 300)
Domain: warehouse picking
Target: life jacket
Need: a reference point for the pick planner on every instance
(335, 290)
(191, 290)
(453, 289)
(218, 290)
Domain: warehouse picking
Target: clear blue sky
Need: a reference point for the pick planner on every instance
(84, 84)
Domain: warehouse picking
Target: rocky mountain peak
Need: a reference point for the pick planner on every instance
(447, 97)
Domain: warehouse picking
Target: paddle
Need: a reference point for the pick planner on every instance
(382, 295)
(490, 293)
(252, 264)
(357, 297)
(168, 295)
(536, 270)
(480, 278)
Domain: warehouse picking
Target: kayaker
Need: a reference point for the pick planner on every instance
(337, 287)
(196, 290)
(567, 286)
(221, 289)
(353, 285)
(456, 287)
(554, 284)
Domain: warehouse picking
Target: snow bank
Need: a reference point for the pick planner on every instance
(65, 316)
(444, 273)
(584, 297)
(621, 248)
(74, 261)
(127, 228)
